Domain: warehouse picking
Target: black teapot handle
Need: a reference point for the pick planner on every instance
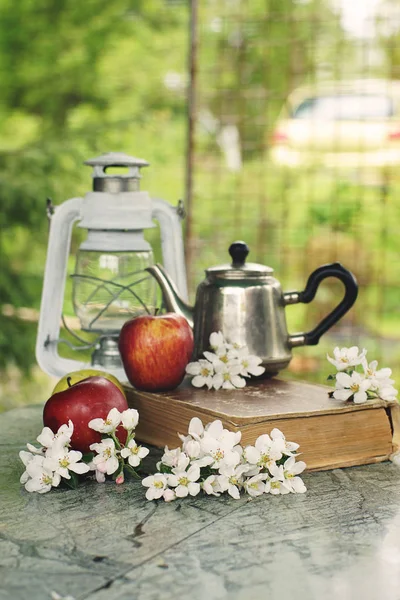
(311, 338)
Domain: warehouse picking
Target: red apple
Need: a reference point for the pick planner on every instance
(85, 400)
(155, 351)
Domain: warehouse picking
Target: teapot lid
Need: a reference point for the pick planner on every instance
(239, 269)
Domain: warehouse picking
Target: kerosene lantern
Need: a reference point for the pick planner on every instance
(110, 284)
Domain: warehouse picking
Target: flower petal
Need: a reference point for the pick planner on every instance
(342, 394)
(79, 468)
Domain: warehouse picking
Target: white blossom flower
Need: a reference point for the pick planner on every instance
(106, 460)
(395, 458)
(129, 419)
(203, 372)
(26, 458)
(169, 495)
(255, 486)
(171, 458)
(61, 461)
(221, 453)
(268, 449)
(216, 430)
(343, 358)
(134, 453)
(63, 436)
(288, 447)
(108, 425)
(375, 375)
(34, 450)
(211, 486)
(100, 476)
(226, 366)
(354, 385)
(217, 340)
(185, 482)
(277, 484)
(196, 429)
(227, 376)
(192, 448)
(40, 480)
(249, 364)
(156, 484)
(231, 479)
(380, 380)
(291, 469)
(387, 392)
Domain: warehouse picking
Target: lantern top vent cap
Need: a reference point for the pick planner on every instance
(116, 159)
(116, 182)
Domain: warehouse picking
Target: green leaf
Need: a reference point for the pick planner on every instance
(131, 471)
(164, 468)
(87, 457)
(207, 471)
(73, 482)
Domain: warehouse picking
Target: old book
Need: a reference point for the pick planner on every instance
(331, 433)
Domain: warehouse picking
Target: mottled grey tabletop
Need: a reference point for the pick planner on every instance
(340, 540)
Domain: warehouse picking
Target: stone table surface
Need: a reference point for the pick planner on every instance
(340, 540)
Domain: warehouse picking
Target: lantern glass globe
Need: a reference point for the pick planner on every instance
(111, 287)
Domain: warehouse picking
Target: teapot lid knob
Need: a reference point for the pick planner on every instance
(238, 251)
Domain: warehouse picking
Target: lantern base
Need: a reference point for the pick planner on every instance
(106, 354)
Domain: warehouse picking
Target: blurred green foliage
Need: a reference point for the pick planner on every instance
(83, 78)
(78, 79)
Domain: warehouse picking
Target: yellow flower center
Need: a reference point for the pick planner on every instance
(224, 358)
(264, 460)
(205, 372)
(233, 480)
(158, 484)
(275, 485)
(134, 449)
(355, 387)
(107, 453)
(183, 481)
(226, 376)
(46, 479)
(219, 454)
(245, 363)
(64, 462)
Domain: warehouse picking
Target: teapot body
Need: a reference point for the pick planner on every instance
(250, 313)
(246, 303)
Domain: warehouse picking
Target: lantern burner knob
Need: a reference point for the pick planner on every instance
(116, 182)
(107, 354)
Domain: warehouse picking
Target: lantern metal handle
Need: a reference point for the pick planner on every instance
(51, 307)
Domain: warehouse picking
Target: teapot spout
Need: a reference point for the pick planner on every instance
(173, 302)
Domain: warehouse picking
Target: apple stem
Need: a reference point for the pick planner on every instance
(69, 381)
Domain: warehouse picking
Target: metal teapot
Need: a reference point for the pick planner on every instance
(246, 303)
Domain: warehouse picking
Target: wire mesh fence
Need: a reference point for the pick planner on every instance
(295, 149)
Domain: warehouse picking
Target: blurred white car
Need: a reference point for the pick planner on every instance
(346, 126)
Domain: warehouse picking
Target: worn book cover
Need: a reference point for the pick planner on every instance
(331, 433)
